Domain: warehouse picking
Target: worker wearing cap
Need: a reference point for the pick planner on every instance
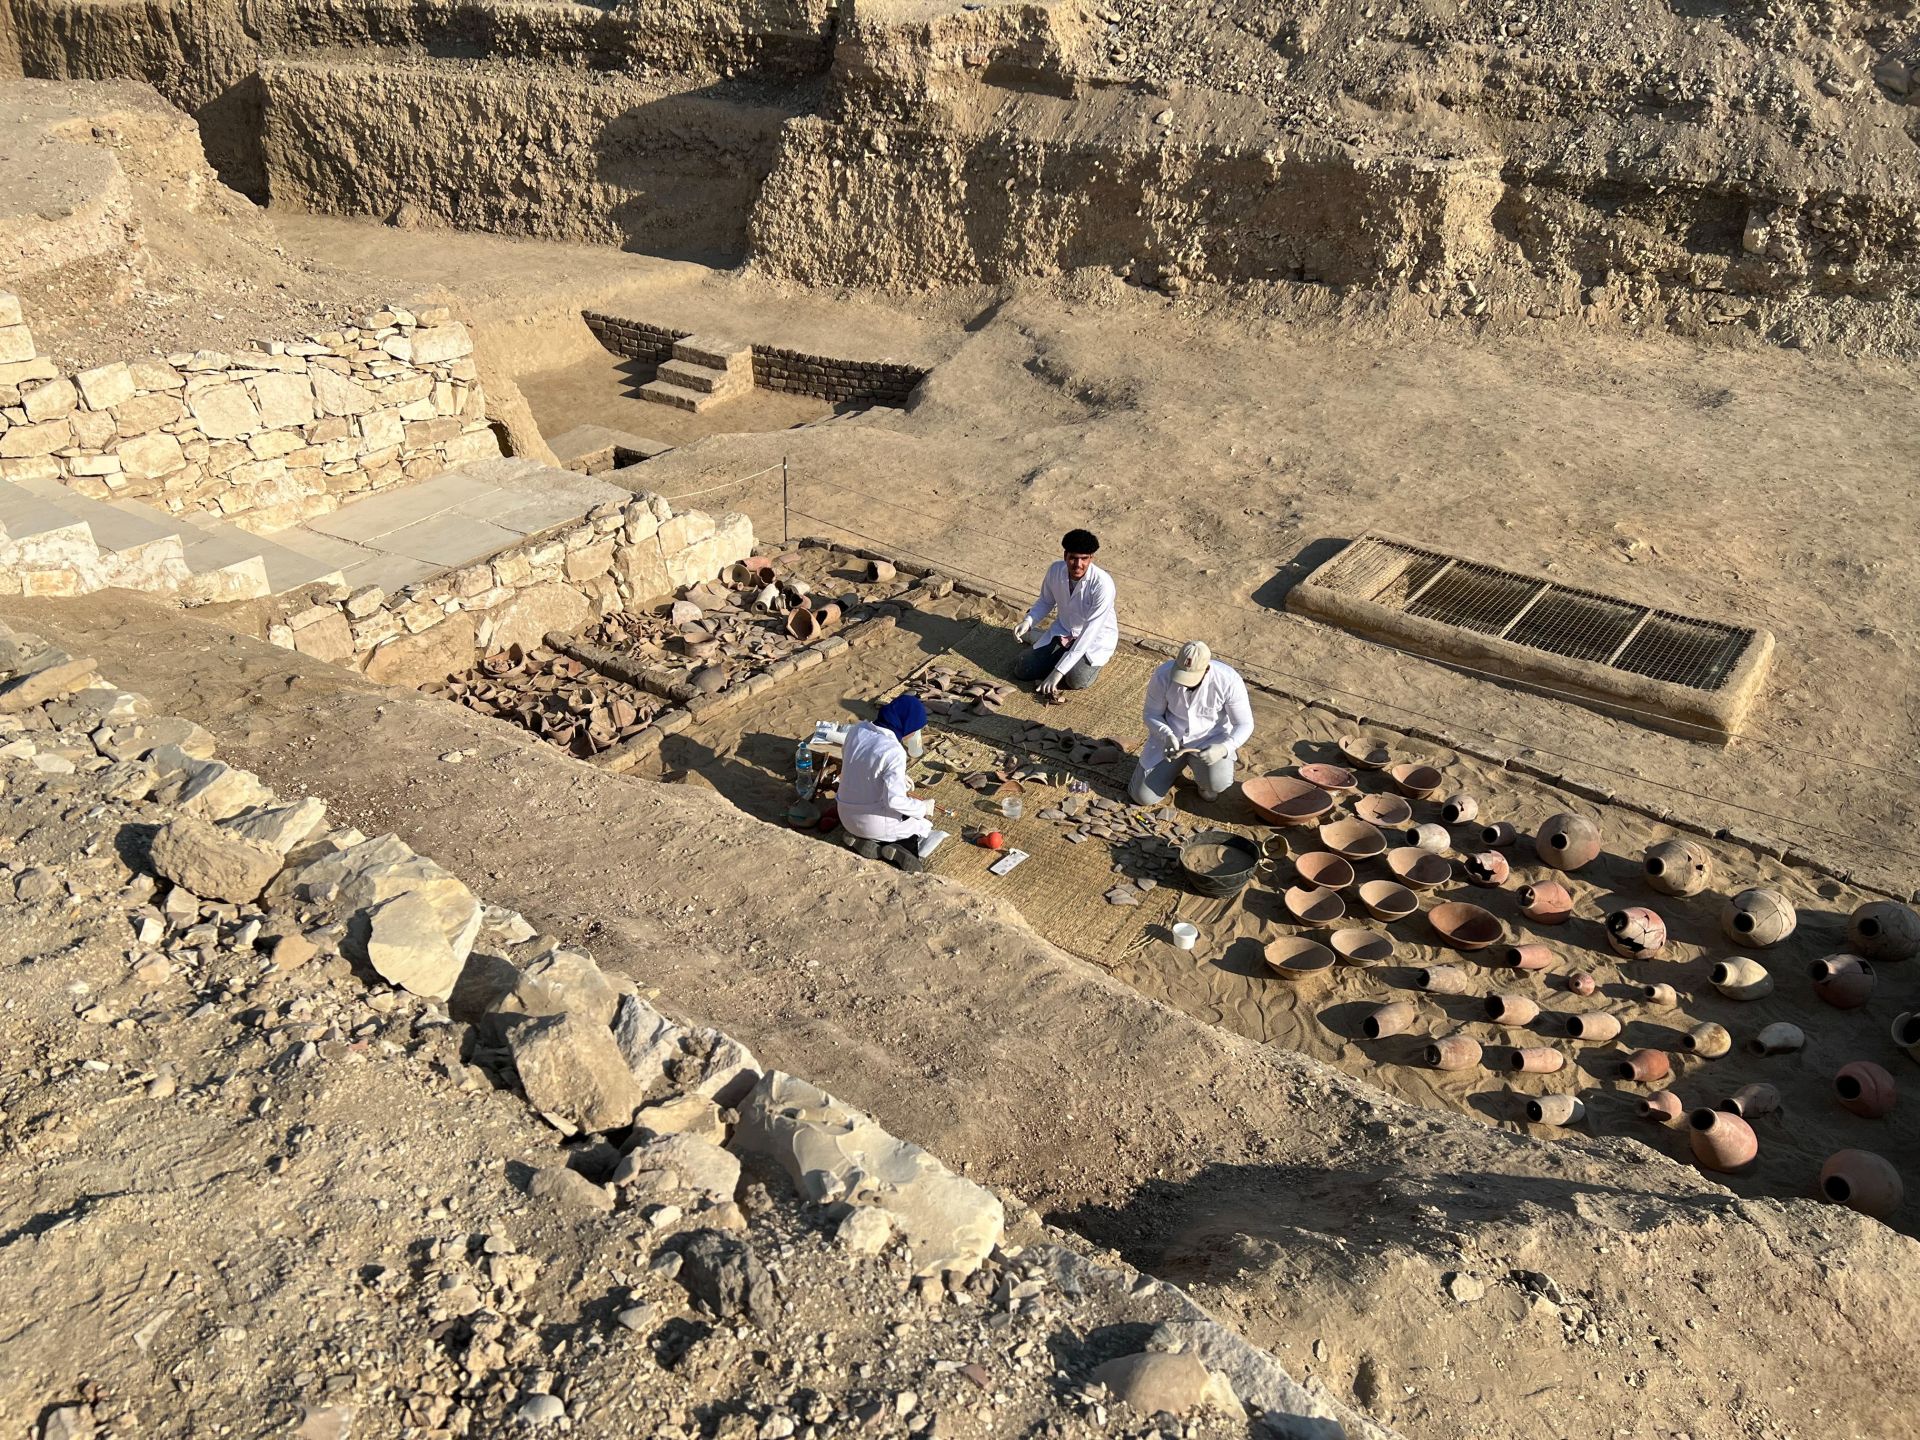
(1197, 715)
(877, 810)
(1078, 594)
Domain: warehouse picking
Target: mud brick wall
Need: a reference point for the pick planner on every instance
(270, 436)
(623, 555)
(633, 339)
(869, 382)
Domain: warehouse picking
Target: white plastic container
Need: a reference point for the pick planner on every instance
(1185, 936)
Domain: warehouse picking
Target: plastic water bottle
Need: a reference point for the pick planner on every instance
(803, 776)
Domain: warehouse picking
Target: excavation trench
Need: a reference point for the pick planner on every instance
(1285, 1192)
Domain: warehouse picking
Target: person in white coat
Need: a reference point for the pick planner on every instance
(1197, 716)
(1079, 595)
(882, 819)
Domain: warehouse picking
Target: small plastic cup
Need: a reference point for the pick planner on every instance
(1185, 936)
(1012, 808)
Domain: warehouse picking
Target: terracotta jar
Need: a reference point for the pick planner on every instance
(1662, 1105)
(1433, 838)
(1636, 933)
(1863, 1180)
(1643, 1067)
(1567, 841)
(1488, 867)
(1884, 930)
(1758, 917)
(1529, 957)
(1678, 867)
(1843, 981)
(1741, 978)
(1442, 980)
(1454, 1052)
(1906, 1032)
(1389, 1020)
(1499, 835)
(1660, 997)
(1460, 810)
(1750, 1102)
(1865, 1089)
(1779, 1038)
(1580, 982)
(1536, 1060)
(1506, 1008)
(1709, 1041)
(1595, 1027)
(1556, 1110)
(1549, 903)
(1721, 1141)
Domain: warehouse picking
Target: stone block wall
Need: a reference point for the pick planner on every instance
(621, 556)
(794, 372)
(270, 435)
(865, 382)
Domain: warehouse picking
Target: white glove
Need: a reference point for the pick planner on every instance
(1214, 754)
(1024, 628)
(1049, 685)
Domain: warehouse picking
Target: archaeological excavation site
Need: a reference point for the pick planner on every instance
(1033, 719)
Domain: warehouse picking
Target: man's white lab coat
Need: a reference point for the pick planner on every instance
(874, 804)
(1084, 611)
(1214, 712)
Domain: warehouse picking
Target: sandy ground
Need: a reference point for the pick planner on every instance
(1219, 448)
(1605, 1290)
(608, 388)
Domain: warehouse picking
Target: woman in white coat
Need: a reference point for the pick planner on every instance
(877, 809)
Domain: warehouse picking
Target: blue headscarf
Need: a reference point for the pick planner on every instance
(903, 715)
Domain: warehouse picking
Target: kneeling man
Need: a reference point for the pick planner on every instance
(1078, 594)
(1197, 716)
(877, 809)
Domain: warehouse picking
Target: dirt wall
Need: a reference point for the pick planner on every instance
(547, 153)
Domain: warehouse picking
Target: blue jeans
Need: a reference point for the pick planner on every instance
(1038, 661)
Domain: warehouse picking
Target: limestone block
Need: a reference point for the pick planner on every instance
(331, 639)
(281, 826)
(335, 394)
(42, 439)
(1157, 1383)
(837, 1154)
(441, 343)
(732, 540)
(382, 430)
(16, 343)
(472, 445)
(590, 560)
(531, 613)
(54, 400)
(219, 790)
(225, 411)
(684, 530)
(407, 947)
(436, 431)
(569, 1192)
(562, 982)
(34, 467)
(274, 444)
(425, 658)
(41, 677)
(693, 564)
(641, 524)
(93, 465)
(570, 1067)
(353, 881)
(669, 1165)
(93, 429)
(19, 372)
(10, 313)
(642, 569)
(59, 583)
(155, 375)
(141, 413)
(212, 863)
(149, 457)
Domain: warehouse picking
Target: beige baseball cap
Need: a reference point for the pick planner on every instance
(1192, 662)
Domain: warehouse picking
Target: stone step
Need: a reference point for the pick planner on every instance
(715, 354)
(703, 378)
(664, 392)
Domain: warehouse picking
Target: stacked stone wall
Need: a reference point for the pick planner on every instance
(794, 372)
(271, 435)
(621, 556)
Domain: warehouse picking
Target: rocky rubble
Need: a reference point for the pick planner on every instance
(267, 1169)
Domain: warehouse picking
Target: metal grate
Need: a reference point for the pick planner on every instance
(1558, 619)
